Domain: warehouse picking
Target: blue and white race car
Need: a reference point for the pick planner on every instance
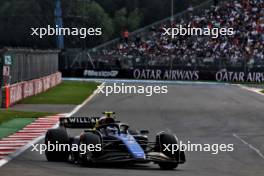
(109, 141)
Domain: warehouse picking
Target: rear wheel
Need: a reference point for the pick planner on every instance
(74, 154)
(165, 138)
(86, 157)
(56, 137)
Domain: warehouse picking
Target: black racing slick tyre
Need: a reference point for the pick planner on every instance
(87, 157)
(168, 166)
(57, 137)
(74, 154)
(165, 138)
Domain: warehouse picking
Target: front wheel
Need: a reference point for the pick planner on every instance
(168, 166)
(165, 139)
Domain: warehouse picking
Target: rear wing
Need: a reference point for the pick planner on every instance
(78, 122)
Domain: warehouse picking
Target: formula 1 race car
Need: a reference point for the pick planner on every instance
(111, 142)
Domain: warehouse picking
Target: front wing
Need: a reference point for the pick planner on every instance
(155, 157)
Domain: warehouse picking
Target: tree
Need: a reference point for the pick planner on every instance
(134, 20)
(87, 15)
(120, 20)
(124, 20)
(18, 17)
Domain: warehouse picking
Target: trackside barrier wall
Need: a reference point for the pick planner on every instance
(28, 64)
(1, 79)
(16, 92)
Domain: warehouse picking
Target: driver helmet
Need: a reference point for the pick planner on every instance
(106, 119)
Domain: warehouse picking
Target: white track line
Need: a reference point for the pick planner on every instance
(146, 81)
(249, 145)
(255, 90)
(6, 159)
(77, 108)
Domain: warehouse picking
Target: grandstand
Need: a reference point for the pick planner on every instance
(149, 48)
(246, 17)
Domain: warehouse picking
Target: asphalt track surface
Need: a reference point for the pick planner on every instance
(199, 113)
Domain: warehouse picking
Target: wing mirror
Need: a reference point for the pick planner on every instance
(144, 132)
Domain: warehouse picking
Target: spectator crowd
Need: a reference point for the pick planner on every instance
(246, 17)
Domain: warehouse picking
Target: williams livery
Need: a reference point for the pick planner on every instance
(119, 143)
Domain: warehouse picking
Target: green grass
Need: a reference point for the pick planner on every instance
(68, 92)
(7, 115)
(12, 126)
